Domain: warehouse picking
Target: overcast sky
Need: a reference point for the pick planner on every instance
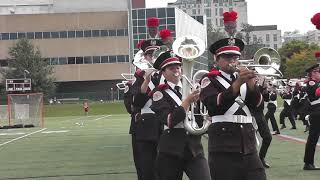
(287, 14)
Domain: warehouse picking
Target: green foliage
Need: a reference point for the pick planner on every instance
(296, 57)
(24, 56)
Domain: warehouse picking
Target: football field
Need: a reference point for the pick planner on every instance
(101, 149)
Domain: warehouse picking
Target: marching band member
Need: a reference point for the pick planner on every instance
(147, 126)
(166, 37)
(313, 91)
(152, 26)
(262, 126)
(178, 151)
(229, 97)
(270, 96)
(287, 109)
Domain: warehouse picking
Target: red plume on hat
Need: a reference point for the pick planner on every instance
(230, 22)
(153, 22)
(230, 16)
(140, 43)
(165, 33)
(316, 20)
(317, 55)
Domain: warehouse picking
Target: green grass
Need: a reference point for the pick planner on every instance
(95, 108)
(101, 149)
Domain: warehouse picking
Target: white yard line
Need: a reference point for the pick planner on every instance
(292, 138)
(10, 134)
(22, 137)
(49, 132)
(102, 117)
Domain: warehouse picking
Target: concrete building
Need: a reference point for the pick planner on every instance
(89, 50)
(287, 37)
(268, 35)
(313, 36)
(214, 9)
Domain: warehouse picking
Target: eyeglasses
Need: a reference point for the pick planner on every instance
(230, 57)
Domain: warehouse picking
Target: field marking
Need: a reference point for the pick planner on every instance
(10, 134)
(102, 117)
(293, 139)
(22, 137)
(49, 132)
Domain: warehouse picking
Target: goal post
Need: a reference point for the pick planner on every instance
(26, 110)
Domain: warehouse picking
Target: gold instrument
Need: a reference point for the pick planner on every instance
(266, 62)
(189, 48)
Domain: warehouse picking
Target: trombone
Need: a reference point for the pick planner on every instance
(266, 62)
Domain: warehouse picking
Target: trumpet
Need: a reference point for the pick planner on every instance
(122, 85)
(189, 48)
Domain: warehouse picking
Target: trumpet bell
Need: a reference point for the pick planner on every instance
(188, 47)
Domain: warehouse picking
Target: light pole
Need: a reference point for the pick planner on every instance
(111, 89)
(25, 72)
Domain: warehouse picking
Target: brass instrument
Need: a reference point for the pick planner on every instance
(266, 62)
(189, 48)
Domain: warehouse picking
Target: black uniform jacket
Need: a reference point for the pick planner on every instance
(128, 103)
(314, 110)
(269, 96)
(147, 125)
(227, 136)
(173, 140)
(286, 96)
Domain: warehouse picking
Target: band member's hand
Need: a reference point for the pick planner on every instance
(193, 97)
(245, 75)
(148, 73)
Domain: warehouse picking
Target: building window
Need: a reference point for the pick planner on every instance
(79, 34)
(87, 60)
(54, 61)
(63, 34)
(63, 60)
(267, 37)
(275, 46)
(104, 33)
(54, 34)
(30, 35)
(95, 33)
(161, 13)
(141, 14)
(112, 59)
(87, 33)
(208, 12)
(71, 60)
(37, 35)
(221, 22)
(171, 21)
(104, 59)
(194, 11)
(120, 32)
(275, 37)
(255, 38)
(71, 34)
(79, 60)
(46, 35)
(5, 36)
(220, 11)
(151, 13)
(170, 12)
(21, 35)
(96, 59)
(13, 36)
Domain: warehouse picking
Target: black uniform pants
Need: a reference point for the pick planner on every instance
(235, 166)
(144, 156)
(136, 154)
(270, 115)
(287, 112)
(311, 144)
(264, 132)
(171, 167)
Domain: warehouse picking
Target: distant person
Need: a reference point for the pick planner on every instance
(86, 107)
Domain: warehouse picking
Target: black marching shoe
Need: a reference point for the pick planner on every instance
(265, 164)
(293, 127)
(283, 126)
(310, 167)
(307, 129)
(275, 132)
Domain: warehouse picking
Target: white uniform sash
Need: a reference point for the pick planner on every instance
(178, 101)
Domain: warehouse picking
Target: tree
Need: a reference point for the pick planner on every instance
(24, 57)
(213, 35)
(295, 47)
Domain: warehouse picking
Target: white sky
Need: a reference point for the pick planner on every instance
(289, 15)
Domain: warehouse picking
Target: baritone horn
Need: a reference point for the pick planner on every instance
(189, 48)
